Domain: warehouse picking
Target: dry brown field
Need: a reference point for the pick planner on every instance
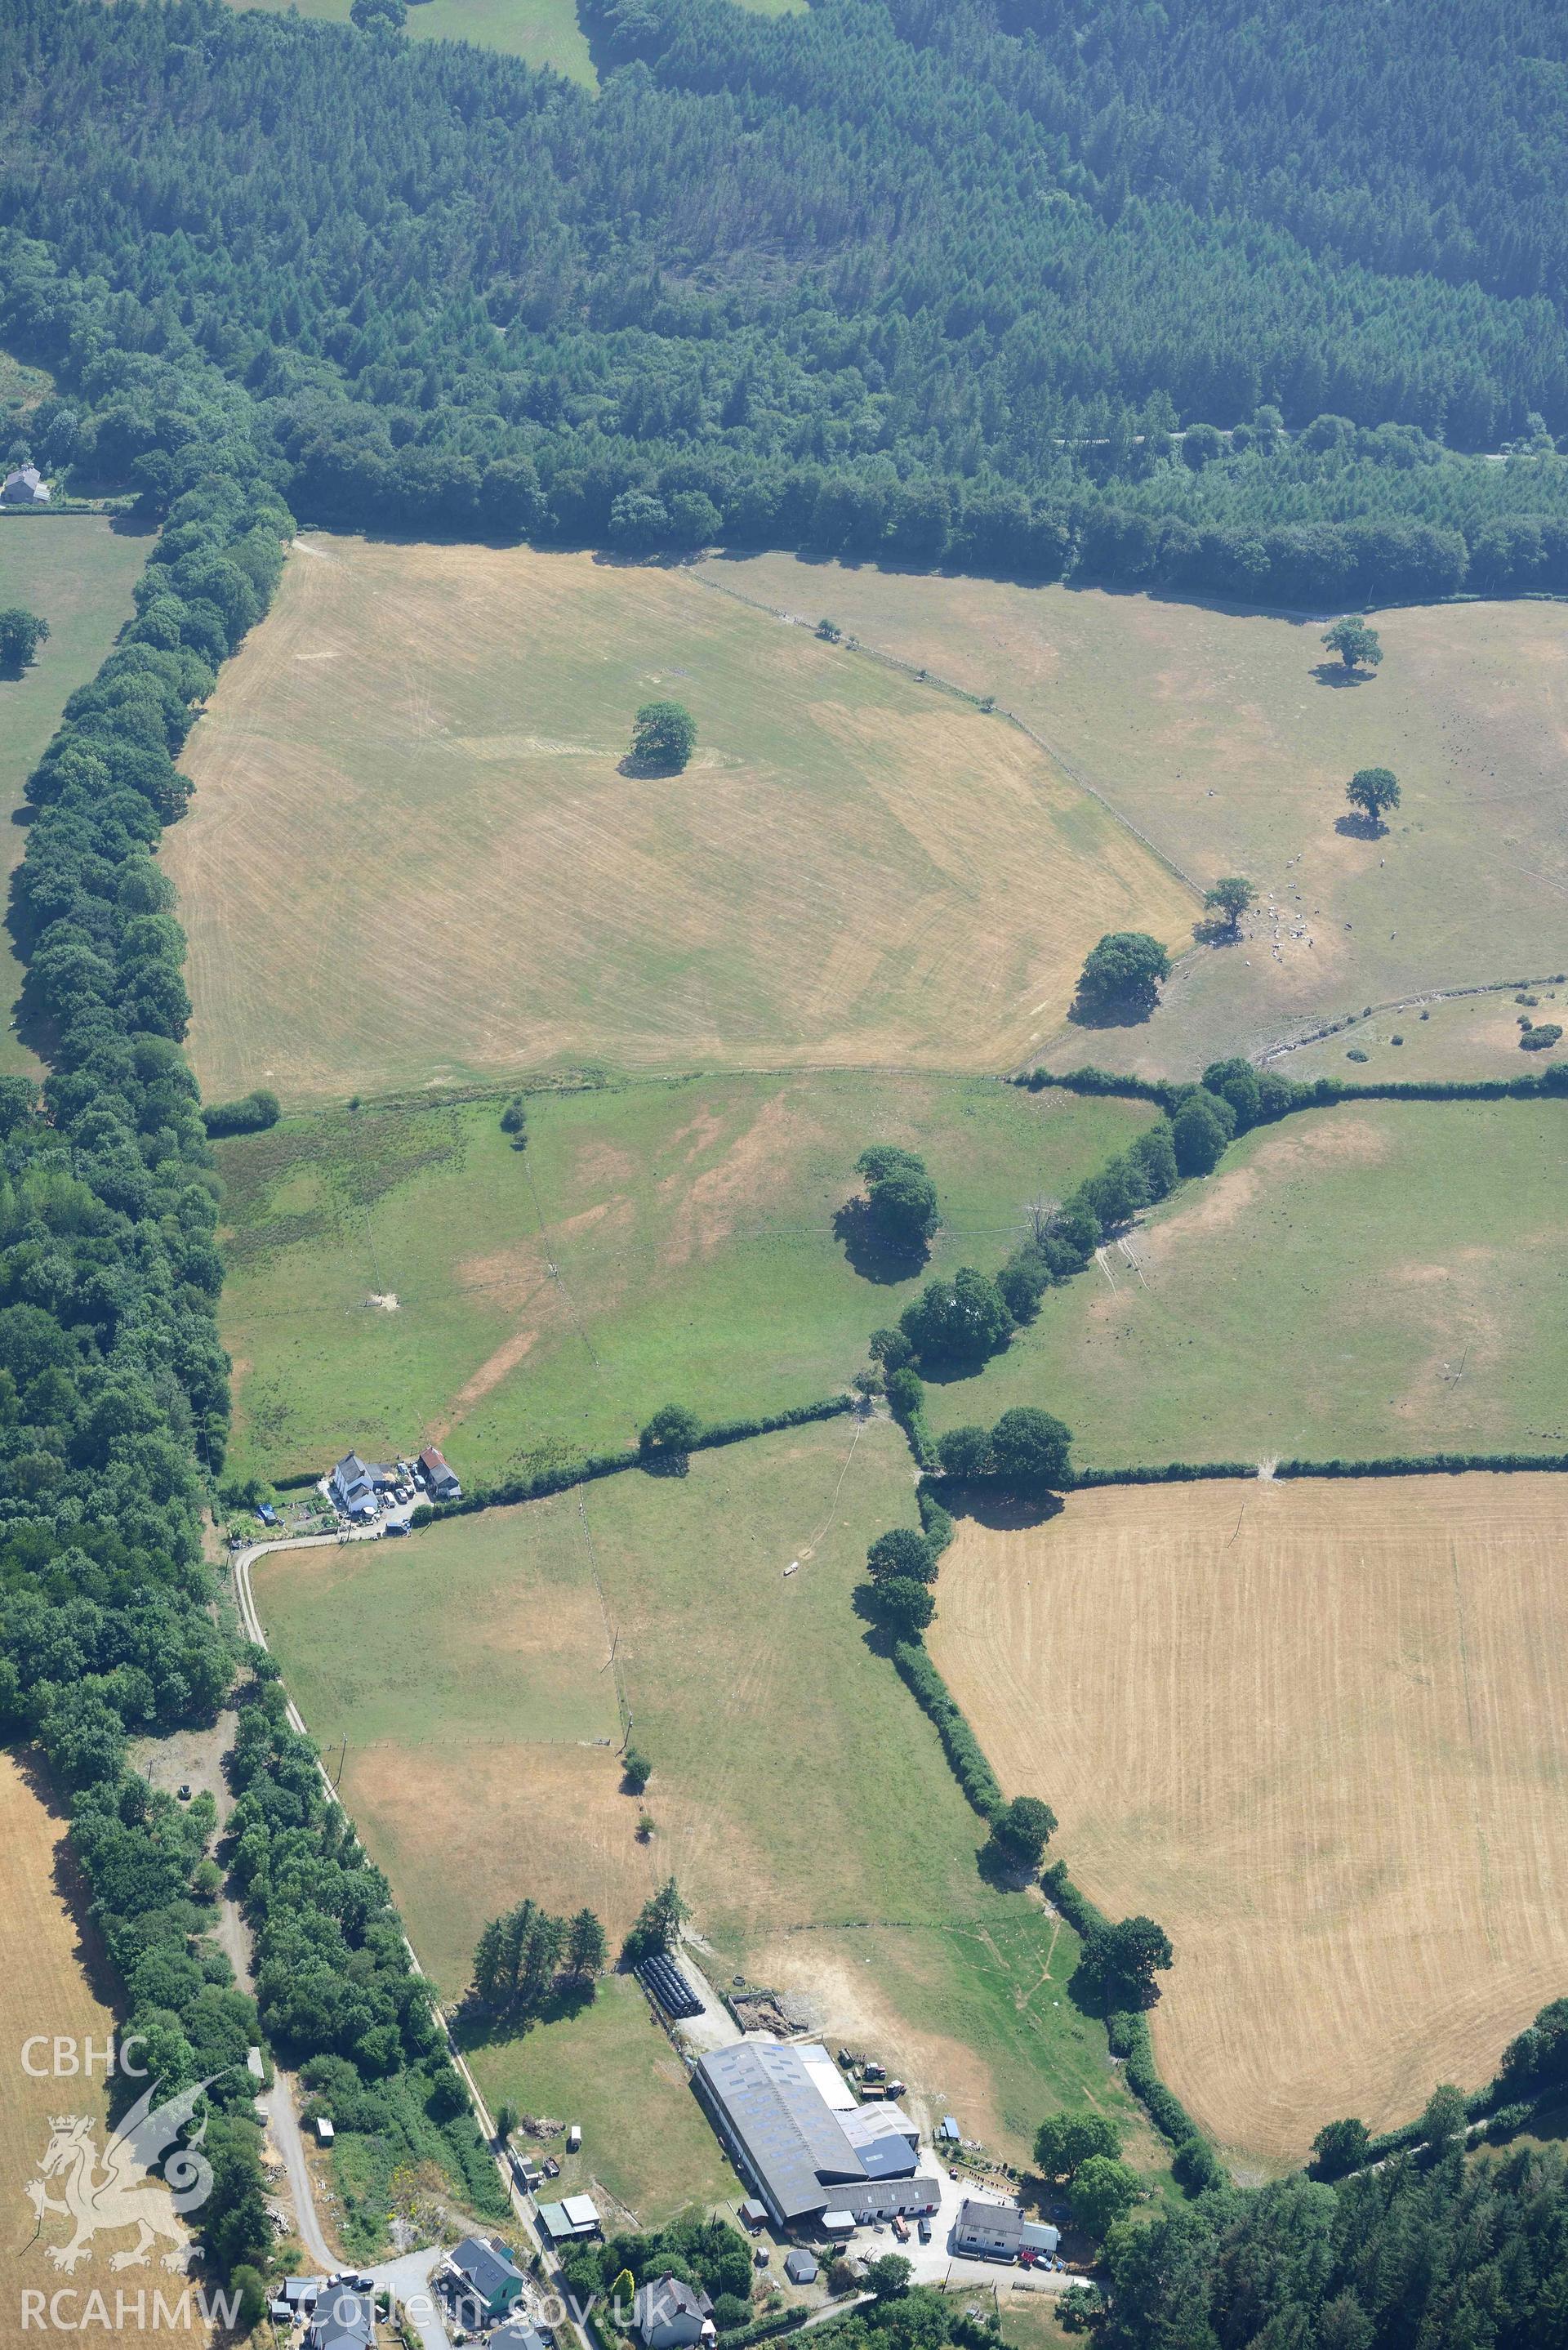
(50, 1977)
(413, 857)
(1320, 1731)
(1225, 738)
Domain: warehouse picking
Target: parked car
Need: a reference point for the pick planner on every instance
(900, 2228)
(396, 1525)
(923, 2228)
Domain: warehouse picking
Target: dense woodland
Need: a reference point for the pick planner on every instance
(878, 279)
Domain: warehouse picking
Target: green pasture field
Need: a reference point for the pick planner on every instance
(1223, 737)
(541, 32)
(1382, 1277)
(76, 572)
(418, 853)
(798, 1794)
(690, 1227)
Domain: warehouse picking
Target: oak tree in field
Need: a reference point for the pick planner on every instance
(1065, 2142)
(900, 1198)
(1228, 899)
(663, 735)
(637, 1769)
(1373, 790)
(21, 634)
(958, 1321)
(1358, 646)
(1123, 974)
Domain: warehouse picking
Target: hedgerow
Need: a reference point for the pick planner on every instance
(592, 1466)
(962, 1747)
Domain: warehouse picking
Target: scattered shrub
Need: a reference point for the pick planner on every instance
(253, 1113)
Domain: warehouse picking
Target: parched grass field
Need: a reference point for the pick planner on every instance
(1321, 1732)
(51, 1980)
(799, 1795)
(413, 857)
(1382, 1277)
(1216, 734)
(76, 571)
(655, 1242)
(1456, 1036)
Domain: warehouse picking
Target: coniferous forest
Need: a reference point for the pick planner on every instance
(1247, 301)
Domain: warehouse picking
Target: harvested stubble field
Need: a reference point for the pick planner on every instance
(1382, 1277)
(654, 1241)
(798, 1794)
(1217, 735)
(413, 856)
(52, 1973)
(76, 572)
(1320, 1731)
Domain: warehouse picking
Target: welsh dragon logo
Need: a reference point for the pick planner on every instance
(117, 2192)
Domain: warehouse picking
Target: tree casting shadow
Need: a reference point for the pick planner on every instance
(1357, 827)
(642, 770)
(1334, 672)
(868, 1250)
(1120, 1013)
(1002, 1512)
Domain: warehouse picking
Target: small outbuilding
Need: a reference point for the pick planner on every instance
(571, 2222)
(799, 2267)
(754, 2214)
(667, 2314)
(325, 2133)
(444, 1485)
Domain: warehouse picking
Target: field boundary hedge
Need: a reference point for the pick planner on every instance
(1127, 2033)
(595, 1465)
(1312, 1093)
